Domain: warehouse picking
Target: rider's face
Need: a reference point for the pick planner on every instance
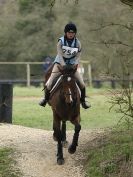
(70, 35)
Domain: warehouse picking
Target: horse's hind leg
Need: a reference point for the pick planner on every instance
(58, 135)
(73, 146)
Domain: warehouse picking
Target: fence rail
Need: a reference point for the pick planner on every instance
(28, 79)
(97, 83)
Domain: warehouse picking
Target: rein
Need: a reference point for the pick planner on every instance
(56, 72)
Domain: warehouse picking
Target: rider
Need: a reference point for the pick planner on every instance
(68, 53)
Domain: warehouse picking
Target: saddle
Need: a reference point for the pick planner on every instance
(56, 84)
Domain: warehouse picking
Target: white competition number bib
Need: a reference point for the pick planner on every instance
(69, 52)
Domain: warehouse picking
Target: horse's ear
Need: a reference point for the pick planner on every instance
(75, 67)
(67, 68)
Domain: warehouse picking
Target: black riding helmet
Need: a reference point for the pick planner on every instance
(70, 27)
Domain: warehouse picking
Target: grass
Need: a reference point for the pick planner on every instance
(27, 112)
(7, 164)
(110, 155)
(37, 91)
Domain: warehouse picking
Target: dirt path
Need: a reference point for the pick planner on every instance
(36, 151)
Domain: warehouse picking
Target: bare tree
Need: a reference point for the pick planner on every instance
(122, 100)
(121, 68)
(128, 2)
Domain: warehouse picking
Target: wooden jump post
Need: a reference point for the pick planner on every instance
(6, 97)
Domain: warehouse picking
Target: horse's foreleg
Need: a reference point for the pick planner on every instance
(73, 146)
(60, 159)
(58, 135)
(63, 130)
(64, 142)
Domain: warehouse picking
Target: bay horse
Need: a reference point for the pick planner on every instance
(65, 104)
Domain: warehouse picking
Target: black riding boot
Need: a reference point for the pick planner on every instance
(82, 100)
(44, 101)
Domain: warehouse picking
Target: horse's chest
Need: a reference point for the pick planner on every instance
(66, 112)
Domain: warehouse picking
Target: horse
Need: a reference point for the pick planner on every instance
(65, 103)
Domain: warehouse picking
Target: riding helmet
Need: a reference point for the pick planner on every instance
(70, 27)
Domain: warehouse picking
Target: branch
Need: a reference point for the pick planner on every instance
(52, 2)
(127, 2)
(113, 24)
(111, 42)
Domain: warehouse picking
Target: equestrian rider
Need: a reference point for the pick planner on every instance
(68, 53)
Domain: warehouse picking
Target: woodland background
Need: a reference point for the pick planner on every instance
(29, 30)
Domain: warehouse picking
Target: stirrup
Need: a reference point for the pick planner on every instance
(43, 102)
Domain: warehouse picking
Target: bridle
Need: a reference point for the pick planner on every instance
(67, 90)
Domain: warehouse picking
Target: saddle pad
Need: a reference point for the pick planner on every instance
(56, 84)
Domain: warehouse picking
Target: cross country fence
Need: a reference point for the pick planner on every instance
(32, 73)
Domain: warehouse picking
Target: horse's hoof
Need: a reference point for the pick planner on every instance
(72, 149)
(60, 161)
(65, 144)
(54, 138)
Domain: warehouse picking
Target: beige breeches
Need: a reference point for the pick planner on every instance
(80, 79)
(56, 72)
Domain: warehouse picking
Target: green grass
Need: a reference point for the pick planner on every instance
(27, 92)
(7, 164)
(111, 155)
(37, 91)
(27, 112)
